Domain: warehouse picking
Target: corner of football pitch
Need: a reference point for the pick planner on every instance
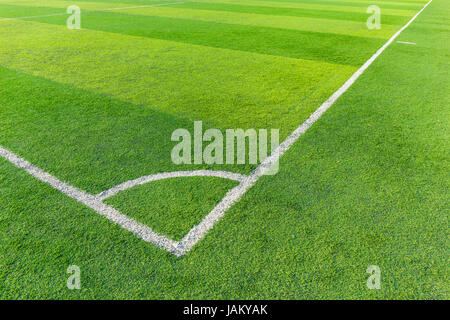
(87, 176)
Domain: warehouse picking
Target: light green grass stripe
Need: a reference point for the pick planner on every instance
(409, 3)
(352, 28)
(87, 5)
(333, 48)
(93, 5)
(315, 6)
(227, 88)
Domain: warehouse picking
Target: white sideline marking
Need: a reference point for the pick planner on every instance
(30, 17)
(234, 195)
(406, 42)
(151, 5)
(93, 202)
(166, 175)
(97, 10)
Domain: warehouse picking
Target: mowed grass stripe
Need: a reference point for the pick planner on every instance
(15, 11)
(293, 12)
(361, 15)
(359, 3)
(412, 3)
(333, 48)
(345, 6)
(88, 5)
(87, 139)
(324, 24)
(229, 89)
(342, 6)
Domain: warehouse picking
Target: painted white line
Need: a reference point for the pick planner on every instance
(93, 202)
(166, 175)
(235, 194)
(405, 42)
(135, 7)
(31, 17)
(87, 11)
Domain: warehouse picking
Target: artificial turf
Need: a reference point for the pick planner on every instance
(366, 185)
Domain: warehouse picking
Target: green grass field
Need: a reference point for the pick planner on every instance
(367, 184)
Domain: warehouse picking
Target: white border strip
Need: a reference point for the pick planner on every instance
(235, 194)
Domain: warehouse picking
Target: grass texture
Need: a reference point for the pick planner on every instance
(366, 185)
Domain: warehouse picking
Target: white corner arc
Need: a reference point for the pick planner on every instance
(167, 175)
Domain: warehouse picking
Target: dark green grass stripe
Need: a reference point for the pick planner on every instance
(341, 49)
(333, 48)
(407, 5)
(9, 11)
(87, 139)
(293, 12)
(356, 4)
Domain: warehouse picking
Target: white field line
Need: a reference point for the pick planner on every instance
(31, 17)
(95, 201)
(97, 10)
(135, 7)
(166, 175)
(235, 194)
(406, 42)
